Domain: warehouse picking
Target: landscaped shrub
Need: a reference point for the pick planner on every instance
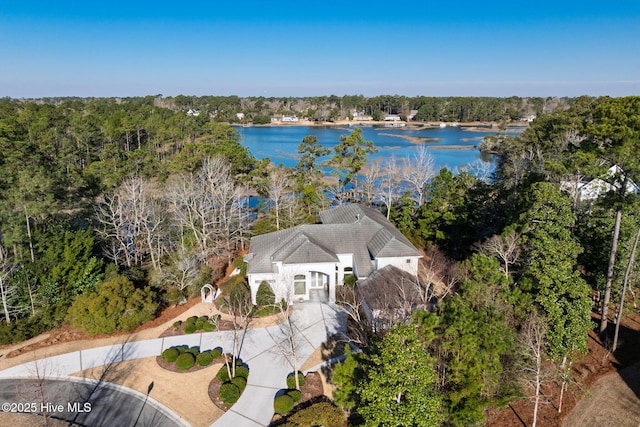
(192, 319)
(283, 404)
(240, 382)
(208, 327)
(216, 353)
(242, 371)
(177, 324)
(295, 394)
(193, 350)
(291, 380)
(204, 358)
(229, 393)
(190, 328)
(349, 279)
(223, 374)
(170, 354)
(116, 305)
(321, 413)
(265, 295)
(185, 361)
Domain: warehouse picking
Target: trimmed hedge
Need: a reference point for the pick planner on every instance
(171, 354)
(321, 413)
(283, 404)
(241, 383)
(295, 394)
(265, 295)
(222, 374)
(229, 393)
(190, 328)
(185, 361)
(291, 380)
(216, 352)
(204, 359)
(242, 371)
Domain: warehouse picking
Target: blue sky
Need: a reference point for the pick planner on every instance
(306, 48)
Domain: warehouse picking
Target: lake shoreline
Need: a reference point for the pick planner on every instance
(468, 126)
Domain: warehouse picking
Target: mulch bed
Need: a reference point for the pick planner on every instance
(312, 392)
(223, 325)
(171, 366)
(214, 388)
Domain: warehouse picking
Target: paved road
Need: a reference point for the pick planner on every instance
(261, 350)
(83, 403)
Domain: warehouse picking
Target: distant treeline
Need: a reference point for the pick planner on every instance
(258, 110)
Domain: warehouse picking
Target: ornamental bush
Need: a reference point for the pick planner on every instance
(265, 295)
(170, 354)
(321, 413)
(185, 361)
(204, 358)
(192, 319)
(295, 394)
(193, 350)
(216, 353)
(241, 383)
(208, 327)
(229, 393)
(177, 324)
(190, 328)
(222, 374)
(291, 380)
(116, 305)
(283, 404)
(242, 371)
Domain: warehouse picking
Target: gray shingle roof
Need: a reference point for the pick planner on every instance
(348, 229)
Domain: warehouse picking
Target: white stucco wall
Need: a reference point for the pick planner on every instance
(408, 264)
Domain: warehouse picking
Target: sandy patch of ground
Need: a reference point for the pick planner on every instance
(184, 393)
(30, 420)
(614, 399)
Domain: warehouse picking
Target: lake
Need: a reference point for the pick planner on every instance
(280, 143)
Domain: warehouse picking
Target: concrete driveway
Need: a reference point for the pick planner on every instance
(263, 350)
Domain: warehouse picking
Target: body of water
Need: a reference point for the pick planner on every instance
(280, 143)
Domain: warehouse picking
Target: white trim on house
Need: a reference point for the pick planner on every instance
(352, 239)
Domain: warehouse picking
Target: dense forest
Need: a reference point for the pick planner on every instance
(259, 110)
(112, 209)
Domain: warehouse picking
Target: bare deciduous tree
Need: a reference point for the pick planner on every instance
(8, 291)
(533, 343)
(132, 220)
(506, 247)
(389, 184)
(280, 186)
(211, 207)
(417, 171)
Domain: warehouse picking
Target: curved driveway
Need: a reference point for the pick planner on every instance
(84, 403)
(313, 323)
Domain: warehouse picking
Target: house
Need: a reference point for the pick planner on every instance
(193, 113)
(285, 119)
(361, 116)
(591, 189)
(392, 118)
(389, 295)
(309, 261)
